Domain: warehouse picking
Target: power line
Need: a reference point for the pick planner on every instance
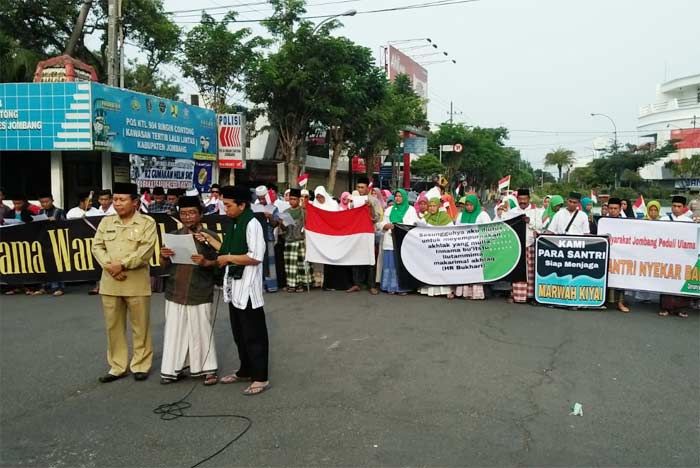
(198, 11)
(364, 12)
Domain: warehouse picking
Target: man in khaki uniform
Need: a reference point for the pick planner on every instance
(123, 246)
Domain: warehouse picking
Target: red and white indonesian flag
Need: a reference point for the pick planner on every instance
(339, 237)
(639, 205)
(504, 183)
(303, 179)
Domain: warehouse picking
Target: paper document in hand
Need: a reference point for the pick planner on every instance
(269, 208)
(184, 247)
(287, 219)
(40, 217)
(358, 200)
(257, 208)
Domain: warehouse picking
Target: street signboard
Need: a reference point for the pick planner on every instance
(447, 148)
(45, 116)
(415, 145)
(231, 133)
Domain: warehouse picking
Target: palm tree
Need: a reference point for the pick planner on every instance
(560, 158)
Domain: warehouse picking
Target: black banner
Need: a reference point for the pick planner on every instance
(47, 251)
(571, 270)
(409, 282)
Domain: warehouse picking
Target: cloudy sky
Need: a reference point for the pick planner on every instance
(537, 67)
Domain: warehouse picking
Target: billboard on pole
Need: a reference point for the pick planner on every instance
(231, 141)
(400, 63)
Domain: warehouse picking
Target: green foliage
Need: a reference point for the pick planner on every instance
(627, 193)
(484, 158)
(560, 158)
(685, 168)
(218, 59)
(41, 29)
(610, 167)
(380, 127)
(427, 166)
(142, 79)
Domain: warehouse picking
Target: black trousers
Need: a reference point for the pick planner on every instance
(250, 334)
(364, 274)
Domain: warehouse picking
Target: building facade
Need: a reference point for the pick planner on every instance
(674, 115)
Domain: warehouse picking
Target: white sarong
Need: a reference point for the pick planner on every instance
(188, 329)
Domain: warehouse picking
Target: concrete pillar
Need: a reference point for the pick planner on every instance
(107, 180)
(57, 177)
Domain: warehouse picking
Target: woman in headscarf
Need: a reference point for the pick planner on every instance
(421, 205)
(653, 211)
(437, 217)
(448, 203)
(627, 210)
(399, 213)
(323, 201)
(345, 199)
(555, 203)
(377, 192)
(471, 214)
(587, 207)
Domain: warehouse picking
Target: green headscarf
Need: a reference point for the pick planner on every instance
(235, 239)
(554, 200)
(470, 218)
(585, 201)
(399, 210)
(441, 218)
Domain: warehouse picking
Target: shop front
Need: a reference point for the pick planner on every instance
(81, 136)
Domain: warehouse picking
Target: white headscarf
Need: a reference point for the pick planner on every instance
(329, 204)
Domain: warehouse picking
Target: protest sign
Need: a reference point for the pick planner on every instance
(571, 270)
(658, 256)
(455, 255)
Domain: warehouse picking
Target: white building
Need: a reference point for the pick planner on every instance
(675, 114)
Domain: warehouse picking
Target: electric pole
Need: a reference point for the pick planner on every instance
(112, 46)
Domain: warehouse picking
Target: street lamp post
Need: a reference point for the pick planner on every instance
(611, 121)
(347, 13)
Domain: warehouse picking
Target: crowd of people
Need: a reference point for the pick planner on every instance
(264, 249)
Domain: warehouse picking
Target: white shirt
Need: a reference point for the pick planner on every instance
(684, 218)
(108, 212)
(77, 213)
(561, 220)
(535, 224)
(410, 218)
(481, 219)
(250, 286)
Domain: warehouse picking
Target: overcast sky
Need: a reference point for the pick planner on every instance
(529, 64)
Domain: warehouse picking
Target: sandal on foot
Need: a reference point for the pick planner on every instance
(623, 308)
(683, 314)
(250, 391)
(211, 379)
(233, 378)
(39, 292)
(451, 296)
(300, 289)
(58, 293)
(663, 313)
(94, 291)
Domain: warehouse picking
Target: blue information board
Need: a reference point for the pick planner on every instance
(415, 145)
(129, 122)
(45, 116)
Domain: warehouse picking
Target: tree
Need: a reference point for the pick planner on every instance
(608, 169)
(380, 127)
(46, 28)
(559, 158)
(355, 85)
(685, 168)
(484, 158)
(218, 59)
(427, 166)
(140, 78)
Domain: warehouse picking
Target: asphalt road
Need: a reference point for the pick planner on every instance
(361, 380)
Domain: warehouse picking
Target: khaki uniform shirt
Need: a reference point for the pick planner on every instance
(131, 244)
